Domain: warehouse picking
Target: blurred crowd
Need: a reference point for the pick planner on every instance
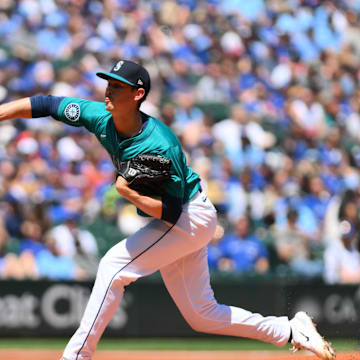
(264, 96)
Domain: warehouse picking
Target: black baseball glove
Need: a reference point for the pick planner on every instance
(146, 173)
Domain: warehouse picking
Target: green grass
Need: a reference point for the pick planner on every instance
(207, 343)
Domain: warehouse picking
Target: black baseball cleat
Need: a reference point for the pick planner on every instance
(306, 337)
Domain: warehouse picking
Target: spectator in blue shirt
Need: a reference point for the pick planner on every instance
(245, 250)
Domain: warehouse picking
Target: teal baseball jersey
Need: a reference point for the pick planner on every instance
(155, 138)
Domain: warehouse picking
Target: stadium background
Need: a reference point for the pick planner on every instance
(264, 96)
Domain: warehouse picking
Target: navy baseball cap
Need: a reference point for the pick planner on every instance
(130, 73)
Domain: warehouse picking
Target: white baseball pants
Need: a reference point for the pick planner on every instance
(180, 253)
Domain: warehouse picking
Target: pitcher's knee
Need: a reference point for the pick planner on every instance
(199, 324)
(105, 264)
(108, 268)
(206, 318)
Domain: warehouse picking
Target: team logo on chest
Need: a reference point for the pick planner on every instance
(72, 112)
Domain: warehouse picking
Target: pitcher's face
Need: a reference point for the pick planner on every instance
(117, 94)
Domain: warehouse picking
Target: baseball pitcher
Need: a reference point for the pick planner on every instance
(153, 175)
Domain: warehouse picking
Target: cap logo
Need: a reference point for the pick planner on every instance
(139, 82)
(118, 65)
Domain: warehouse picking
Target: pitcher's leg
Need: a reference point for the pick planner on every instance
(141, 254)
(125, 262)
(188, 282)
(104, 300)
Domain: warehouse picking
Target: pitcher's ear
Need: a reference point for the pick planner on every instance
(140, 93)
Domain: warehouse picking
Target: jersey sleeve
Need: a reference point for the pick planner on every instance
(80, 112)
